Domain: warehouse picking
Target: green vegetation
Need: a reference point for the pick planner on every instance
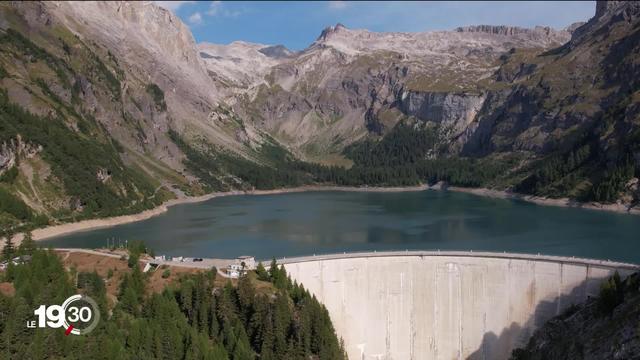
(55, 67)
(191, 320)
(74, 144)
(581, 169)
(158, 96)
(76, 159)
(611, 294)
(12, 205)
(9, 176)
(213, 166)
(613, 182)
(557, 174)
(606, 327)
(262, 273)
(8, 250)
(136, 248)
(406, 157)
(404, 144)
(13, 211)
(166, 273)
(26, 48)
(400, 159)
(103, 74)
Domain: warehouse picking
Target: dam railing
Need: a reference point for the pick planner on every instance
(480, 254)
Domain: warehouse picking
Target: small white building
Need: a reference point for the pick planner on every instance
(249, 262)
(18, 260)
(150, 267)
(235, 270)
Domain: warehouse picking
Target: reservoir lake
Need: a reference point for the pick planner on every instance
(307, 223)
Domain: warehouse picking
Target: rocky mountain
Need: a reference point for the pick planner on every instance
(240, 65)
(316, 100)
(95, 97)
(115, 101)
(552, 106)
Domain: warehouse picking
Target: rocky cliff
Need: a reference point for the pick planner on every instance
(534, 96)
(554, 111)
(352, 83)
(102, 90)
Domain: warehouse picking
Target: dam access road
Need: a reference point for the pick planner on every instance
(445, 305)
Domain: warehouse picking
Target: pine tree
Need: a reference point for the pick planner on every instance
(229, 323)
(27, 246)
(262, 273)
(281, 322)
(246, 294)
(273, 270)
(8, 251)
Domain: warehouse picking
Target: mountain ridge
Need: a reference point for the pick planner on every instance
(492, 106)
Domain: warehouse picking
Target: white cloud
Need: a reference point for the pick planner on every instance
(172, 5)
(214, 8)
(195, 18)
(337, 5)
(217, 9)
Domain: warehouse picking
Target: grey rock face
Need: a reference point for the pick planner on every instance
(349, 83)
(276, 51)
(12, 151)
(454, 111)
(539, 32)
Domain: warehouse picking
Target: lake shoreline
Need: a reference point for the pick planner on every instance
(93, 224)
(544, 201)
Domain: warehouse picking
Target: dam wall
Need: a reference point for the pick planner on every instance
(445, 305)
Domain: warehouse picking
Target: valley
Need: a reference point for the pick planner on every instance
(538, 112)
(392, 179)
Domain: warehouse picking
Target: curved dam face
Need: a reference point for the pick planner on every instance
(445, 305)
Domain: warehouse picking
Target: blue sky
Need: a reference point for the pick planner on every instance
(298, 24)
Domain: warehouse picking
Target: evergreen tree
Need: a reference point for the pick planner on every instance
(190, 321)
(8, 251)
(273, 269)
(28, 245)
(262, 273)
(246, 294)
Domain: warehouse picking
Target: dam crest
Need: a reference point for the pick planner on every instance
(445, 304)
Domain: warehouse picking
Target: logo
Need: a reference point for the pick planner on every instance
(78, 315)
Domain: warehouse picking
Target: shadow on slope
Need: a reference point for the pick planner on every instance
(500, 346)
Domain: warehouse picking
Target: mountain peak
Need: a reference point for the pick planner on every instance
(604, 6)
(607, 11)
(276, 51)
(329, 30)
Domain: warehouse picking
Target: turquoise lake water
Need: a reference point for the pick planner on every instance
(309, 223)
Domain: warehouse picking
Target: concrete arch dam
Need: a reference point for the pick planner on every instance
(445, 305)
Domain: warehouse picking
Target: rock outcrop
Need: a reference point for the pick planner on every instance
(14, 150)
(455, 111)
